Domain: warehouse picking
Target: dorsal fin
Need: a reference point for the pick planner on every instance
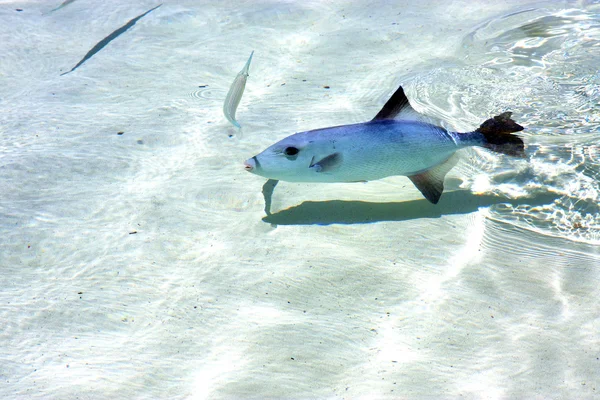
(431, 182)
(398, 107)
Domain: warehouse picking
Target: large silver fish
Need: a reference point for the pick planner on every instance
(395, 142)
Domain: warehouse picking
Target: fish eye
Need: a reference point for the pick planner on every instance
(290, 151)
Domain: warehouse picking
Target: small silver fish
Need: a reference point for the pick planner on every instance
(395, 142)
(235, 93)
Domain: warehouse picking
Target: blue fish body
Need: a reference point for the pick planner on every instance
(367, 151)
(395, 142)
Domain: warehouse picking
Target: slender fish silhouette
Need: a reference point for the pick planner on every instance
(109, 39)
(64, 4)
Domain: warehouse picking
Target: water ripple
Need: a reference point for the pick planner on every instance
(543, 68)
(527, 38)
(208, 93)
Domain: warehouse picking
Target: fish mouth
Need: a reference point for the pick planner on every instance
(250, 164)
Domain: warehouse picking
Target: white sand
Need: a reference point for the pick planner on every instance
(138, 266)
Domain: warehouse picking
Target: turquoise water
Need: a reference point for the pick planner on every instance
(142, 264)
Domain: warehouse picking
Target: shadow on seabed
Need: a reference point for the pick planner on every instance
(361, 212)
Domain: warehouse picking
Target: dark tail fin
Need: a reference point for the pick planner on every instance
(498, 134)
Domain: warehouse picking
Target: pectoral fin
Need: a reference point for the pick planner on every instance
(431, 182)
(327, 164)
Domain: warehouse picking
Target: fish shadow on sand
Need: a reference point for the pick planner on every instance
(362, 212)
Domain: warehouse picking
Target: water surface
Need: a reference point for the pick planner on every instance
(137, 260)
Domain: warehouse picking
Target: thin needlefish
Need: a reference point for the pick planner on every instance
(64, 4)
(100, 45)
(395, 142)
(235, 93)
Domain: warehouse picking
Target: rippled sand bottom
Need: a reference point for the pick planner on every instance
(137, 258)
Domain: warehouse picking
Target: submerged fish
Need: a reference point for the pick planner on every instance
(232, 100)
(64, 4)
(100, 45)
(395, 142)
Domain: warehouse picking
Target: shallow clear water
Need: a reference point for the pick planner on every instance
(142, 264)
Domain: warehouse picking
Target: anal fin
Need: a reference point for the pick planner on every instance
(431, 182)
